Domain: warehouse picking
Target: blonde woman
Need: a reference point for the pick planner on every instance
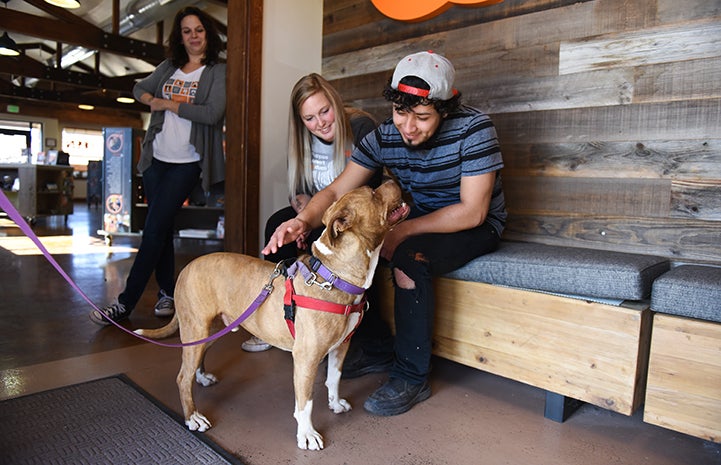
(322, 135)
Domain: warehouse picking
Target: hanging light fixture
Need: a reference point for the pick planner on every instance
(8, 47)
(125, 99)
(67, 4)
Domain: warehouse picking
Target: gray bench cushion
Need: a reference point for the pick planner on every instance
(689, 290)
(566, 270)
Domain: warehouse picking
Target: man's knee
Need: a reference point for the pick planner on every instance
(402, 280)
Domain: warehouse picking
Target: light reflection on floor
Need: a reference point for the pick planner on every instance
(76, 245)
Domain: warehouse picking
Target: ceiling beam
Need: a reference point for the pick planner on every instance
(30, 68)
(69, 114)
(90, 36)
(74, 97)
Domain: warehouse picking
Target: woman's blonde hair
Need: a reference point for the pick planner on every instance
(300, 169)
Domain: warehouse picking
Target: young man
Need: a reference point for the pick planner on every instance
(446, 157)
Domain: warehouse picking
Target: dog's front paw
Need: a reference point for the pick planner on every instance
(205, 379)
(310, 440)
(339, 406)
(197, 422)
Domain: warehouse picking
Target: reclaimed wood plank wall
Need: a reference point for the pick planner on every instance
(608, 112)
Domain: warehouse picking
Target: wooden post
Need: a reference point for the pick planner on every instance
(242, 179)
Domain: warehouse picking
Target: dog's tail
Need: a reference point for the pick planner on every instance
(160, 333)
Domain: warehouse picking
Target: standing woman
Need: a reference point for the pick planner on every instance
(186, 95)
(322, 135)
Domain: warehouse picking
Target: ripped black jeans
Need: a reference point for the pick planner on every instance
(421, 258)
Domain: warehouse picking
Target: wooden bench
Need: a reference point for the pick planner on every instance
(574, 322)
(684, 376)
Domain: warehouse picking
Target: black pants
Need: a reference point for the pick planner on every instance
(420, 258)
(166, 186)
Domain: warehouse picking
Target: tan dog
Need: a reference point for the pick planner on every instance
(225, 284)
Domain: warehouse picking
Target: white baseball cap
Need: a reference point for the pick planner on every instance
(435, 69)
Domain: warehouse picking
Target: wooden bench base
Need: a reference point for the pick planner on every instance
(684, 379)
(588, 351)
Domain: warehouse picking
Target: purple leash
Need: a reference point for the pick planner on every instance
(14, 215)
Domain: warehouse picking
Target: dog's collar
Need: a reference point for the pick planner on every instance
(331, 279)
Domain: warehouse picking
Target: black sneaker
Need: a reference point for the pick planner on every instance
(165, 306)
(115, 311)
(360, 364)
(396, 396)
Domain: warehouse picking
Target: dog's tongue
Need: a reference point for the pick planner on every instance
(399, 213)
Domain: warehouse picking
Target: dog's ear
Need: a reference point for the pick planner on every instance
(339, 221)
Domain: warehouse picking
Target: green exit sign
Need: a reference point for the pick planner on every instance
(13, 108)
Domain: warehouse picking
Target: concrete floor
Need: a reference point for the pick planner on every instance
(472, 417)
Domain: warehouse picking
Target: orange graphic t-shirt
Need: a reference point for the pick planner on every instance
(172, 144)
(179, 90)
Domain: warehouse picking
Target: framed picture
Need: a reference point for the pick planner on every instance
(50, 142)
(51, 157)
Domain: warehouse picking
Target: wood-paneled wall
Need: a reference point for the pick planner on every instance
(608, 112)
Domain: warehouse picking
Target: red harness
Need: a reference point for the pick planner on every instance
(291, 299)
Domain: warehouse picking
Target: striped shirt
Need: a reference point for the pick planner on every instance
(464, 144)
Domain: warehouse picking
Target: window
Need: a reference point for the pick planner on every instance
(83, 145)
(16, 137)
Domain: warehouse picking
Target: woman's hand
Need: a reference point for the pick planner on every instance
(292, 230)
(300, 241)
(159, 104)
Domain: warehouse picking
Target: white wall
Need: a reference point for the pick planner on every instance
(292, 44)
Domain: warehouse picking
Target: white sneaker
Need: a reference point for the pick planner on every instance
(254, 344)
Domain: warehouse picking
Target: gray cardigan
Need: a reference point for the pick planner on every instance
(207, 115)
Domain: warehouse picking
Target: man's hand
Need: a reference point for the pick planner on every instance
(289, 231)
(393, 238)
(299, 202)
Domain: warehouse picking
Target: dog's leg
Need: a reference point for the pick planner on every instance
(332, 381)
(305, 368)
(192, 363)
(202, 377)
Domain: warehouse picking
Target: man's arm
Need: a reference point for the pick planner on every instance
(354, 175)
(471, 211)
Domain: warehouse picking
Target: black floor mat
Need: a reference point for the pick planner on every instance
(107, 421)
